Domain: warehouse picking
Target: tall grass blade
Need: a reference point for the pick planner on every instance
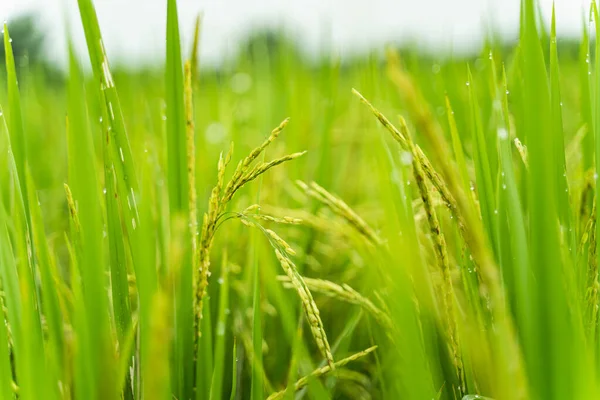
(178, 188)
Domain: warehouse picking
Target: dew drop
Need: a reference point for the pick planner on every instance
(220, 281)
(502, 134)
(406, 158)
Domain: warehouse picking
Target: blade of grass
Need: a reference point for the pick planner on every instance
(6, 376)
(234, 372)
(175, 113)
(96, 347)
(153, 328)
(587, 145)
(116, 139)
(551, 362)
(19, 275)
(15, 118)
(485, 186)
(204, 368)
(257, 385)
(520, 274)
(195, 49)
(51, 312)
(560, 169)
(85, 186)
(216, 386)
(178, 190)
(458, 150)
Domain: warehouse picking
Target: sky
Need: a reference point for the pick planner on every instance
(134, 30)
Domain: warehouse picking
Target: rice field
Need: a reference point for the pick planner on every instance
(389, 226)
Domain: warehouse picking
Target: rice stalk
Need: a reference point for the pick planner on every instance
(324, 223)
(220, 196)
(209, 226)
(428, 169)
(302, 382)
(345, 293)
(441, 252)
(309, 305)
(284, 220)
(283, 251)
(244, 164)
(472, 231)
(340, 208)
(255, 172)
(191, 169)
(72, 209)
(191, 154)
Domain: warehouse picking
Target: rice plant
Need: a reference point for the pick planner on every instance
(396, 227)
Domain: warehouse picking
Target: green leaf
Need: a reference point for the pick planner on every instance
(485, 186)
(216, 386)
(178, 188)
(48, 274)
(15, 119)
(257, 384)
(176, 144)
(234, 372)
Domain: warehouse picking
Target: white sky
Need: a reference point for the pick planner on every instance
(135, 29)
